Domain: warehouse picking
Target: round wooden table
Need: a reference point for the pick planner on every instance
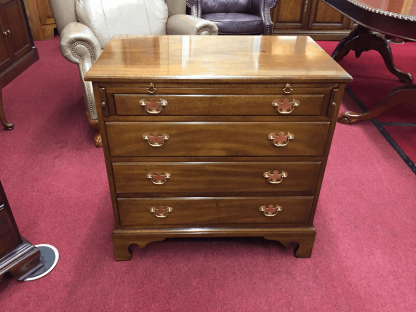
(396, 18)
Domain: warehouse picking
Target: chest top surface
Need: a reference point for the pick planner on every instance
(215, 58)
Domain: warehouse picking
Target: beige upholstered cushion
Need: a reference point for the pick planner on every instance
(107, 18)
(176, 7)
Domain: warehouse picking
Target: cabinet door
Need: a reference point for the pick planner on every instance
(5, 58)
(323, 17)
(13, 20)
(290, 14)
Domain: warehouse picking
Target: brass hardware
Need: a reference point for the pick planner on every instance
(270, 211)
(155, 140)
(333, 104)
(286, 107)
(151, 88)
(154, 107)
(161, 212)
(287, 89)
(158, 178)
(281, 139)
(6, 32)
(1, 207)
(103, 97)
(275, 177)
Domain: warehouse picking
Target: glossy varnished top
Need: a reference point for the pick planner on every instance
(214, 58)
(394, 8)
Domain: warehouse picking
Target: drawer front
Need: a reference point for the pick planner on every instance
(224, 177)
(203, 211)
(217, 139)
(218, 105)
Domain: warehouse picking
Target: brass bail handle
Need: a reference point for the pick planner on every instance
(270, 211)
(158, 178)
(153, 107)
(161, 211)
(285, 107)
(275, 177)
(281, 139)
(155, 140)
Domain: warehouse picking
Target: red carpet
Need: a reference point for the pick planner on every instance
(372, 82)
(56, 183)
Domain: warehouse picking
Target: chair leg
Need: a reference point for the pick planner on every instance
(97, 137)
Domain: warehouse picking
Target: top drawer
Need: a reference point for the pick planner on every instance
(218, 105)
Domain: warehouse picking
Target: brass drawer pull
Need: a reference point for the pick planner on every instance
(155, 140)
(6, 32)
(275, 177)
(154, 107)
(161, 212)
(287, 89)
(286, 107)
(281, 139)
(158, 178)
(151, 88)
(270, 211)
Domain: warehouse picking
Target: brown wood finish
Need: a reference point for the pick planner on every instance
(41, 21)
(361, 40)
(393, 17)
(17, 51)
(309, 17)
(131, 58)
(215, 177)
(225, 162)
(216, 139)
(221, 105)
(205, 211)
(17, 256)
(303, 236)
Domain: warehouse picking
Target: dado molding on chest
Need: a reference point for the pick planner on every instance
(216, 136)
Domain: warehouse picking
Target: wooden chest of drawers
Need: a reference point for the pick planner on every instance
(215, 136)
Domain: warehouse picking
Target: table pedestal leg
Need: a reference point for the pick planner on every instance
(6, 125)
(400, 95)
(362, 39)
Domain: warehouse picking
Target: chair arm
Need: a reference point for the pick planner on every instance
(79, 44)
(263, 8)
(181, 24)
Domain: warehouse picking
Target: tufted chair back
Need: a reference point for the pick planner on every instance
(64, 11)
(226, 6)
(86, 26)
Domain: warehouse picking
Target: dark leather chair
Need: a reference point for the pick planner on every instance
(235, 17)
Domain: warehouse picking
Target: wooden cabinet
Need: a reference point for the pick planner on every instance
(208, 136)
(17, 51)
(313, 18)
(41, 21)
(17, 255)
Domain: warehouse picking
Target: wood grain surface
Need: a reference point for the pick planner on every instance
(215, 177)
(217, 139)
(214, 58)
(193, 211)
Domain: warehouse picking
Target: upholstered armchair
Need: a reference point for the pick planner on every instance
(235, 17)
(86, 27)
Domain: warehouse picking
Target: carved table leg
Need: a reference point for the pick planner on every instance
(7, 125)
(362, 39)
(400, 95)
